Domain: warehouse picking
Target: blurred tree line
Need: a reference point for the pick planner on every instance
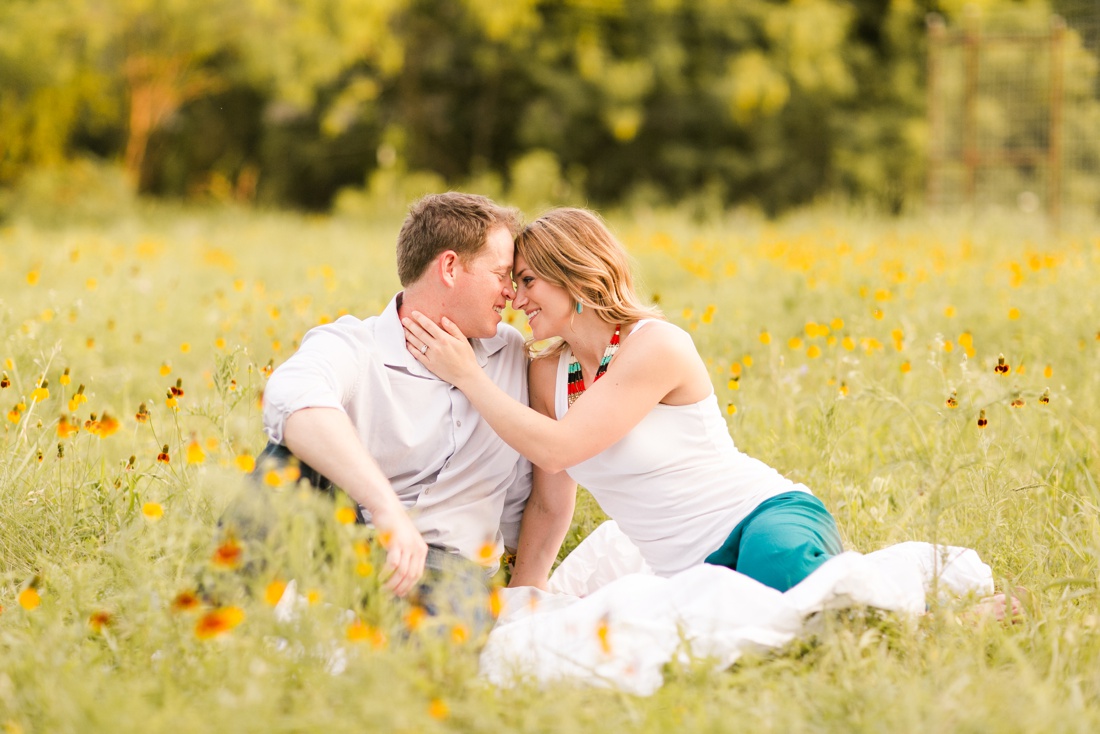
(766, 102)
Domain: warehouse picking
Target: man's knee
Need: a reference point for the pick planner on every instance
(287, 468)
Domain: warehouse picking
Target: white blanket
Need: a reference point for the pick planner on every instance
(608, 621)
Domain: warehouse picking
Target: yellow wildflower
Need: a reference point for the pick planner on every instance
(438, 709)
(29, 598)
(218, 621)
(195, 454)
(274, 591)
(496, 603)
(78, 399)
(41, 392)
(65, 429)
(415, 617)
(603, 634)
(228, 555)
(185, 601)
(359, 631)
(99, 620)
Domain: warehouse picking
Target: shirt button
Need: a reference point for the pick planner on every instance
(458, 423)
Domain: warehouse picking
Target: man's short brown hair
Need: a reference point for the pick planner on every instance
(451, 221)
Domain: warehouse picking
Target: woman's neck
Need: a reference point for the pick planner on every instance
(588, 341)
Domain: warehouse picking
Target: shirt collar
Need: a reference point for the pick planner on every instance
(391, 342)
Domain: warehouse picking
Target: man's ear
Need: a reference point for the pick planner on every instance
(447, 267)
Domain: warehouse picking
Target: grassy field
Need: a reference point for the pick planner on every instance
(856, 355)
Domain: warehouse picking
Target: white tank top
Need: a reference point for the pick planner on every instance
(675, 484)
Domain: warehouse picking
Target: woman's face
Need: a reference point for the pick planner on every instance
(549, 307)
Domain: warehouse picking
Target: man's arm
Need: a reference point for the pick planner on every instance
(325, 439)
(545, 522)
(303, 410)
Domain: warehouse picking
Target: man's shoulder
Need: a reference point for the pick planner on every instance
(346, 327)
(508, 341)
(346, 338)
(510, 333)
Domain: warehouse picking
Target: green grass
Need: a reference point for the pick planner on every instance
(867, 428)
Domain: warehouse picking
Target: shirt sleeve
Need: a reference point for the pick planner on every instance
(515, 499)
(321, 374)
(519, 488)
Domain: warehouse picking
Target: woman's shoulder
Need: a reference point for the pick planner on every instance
(658, 342)
(542, 375)
(659, 335)
(544, 367)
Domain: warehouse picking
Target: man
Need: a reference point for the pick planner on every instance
(353, 406)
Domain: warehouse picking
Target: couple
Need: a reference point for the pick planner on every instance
(421, 414)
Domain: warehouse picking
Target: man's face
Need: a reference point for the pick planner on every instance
(484, 287)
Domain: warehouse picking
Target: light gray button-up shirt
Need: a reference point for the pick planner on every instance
(463, 486)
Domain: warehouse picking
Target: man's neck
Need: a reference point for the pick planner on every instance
(412, 299)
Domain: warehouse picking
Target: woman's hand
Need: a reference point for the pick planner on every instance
(445, 351)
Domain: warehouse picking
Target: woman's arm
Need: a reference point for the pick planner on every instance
(546, 520)
(650, 364)
(549, 510)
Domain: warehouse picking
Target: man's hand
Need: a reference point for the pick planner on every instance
(325, 439)
(405, 549)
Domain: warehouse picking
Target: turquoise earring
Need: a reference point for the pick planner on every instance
(580, 307)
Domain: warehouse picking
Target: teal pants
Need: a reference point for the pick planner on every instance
(782, 541)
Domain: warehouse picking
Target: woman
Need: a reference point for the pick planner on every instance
(624, 405)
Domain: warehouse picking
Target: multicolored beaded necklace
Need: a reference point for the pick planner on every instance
(575, 382)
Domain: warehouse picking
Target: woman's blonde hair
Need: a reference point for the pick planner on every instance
(574, 250)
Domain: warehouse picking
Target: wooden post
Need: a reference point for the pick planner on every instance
(972, 44)
(1054, 139)
(933, 183)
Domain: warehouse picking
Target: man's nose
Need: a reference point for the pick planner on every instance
(509, 291)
